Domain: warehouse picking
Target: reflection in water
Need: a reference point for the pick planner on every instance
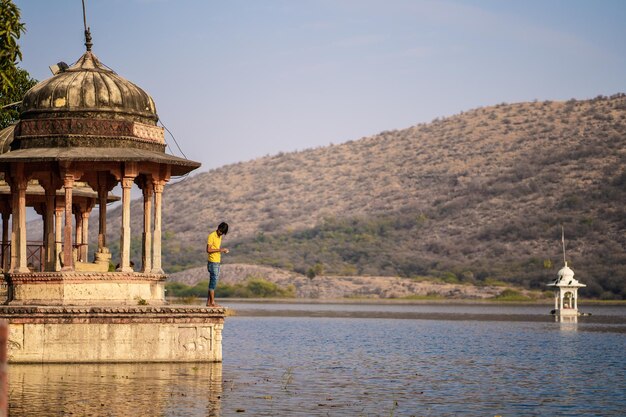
(567, 323)
(566, 320)
(138, 389)
(358, 360)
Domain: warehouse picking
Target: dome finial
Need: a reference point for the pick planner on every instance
(563, 242)
(88, 43)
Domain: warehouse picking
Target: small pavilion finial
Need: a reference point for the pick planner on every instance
(88, 43)
(563, 241)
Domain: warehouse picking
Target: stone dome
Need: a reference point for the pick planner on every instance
(565, 278)
(88, 113)
(88, 106)
(90, 88)
(565, 273)
(6, 138)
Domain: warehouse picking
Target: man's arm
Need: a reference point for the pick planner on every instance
(209, 249)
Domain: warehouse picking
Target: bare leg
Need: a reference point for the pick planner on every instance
(211, 300)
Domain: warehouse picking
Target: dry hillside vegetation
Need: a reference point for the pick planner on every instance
(473, 197)
(336, 287)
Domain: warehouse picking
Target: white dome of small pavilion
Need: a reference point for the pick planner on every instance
(565, 273)
(565, 278)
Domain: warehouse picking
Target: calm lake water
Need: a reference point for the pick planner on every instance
(361, 360)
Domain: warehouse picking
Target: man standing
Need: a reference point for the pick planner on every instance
(214, 249)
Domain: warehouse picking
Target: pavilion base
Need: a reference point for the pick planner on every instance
(72, 334)
(85, 288)
(567, 312)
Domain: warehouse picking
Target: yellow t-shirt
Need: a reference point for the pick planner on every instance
(214, 241)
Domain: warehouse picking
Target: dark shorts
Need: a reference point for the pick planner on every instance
(214, 274)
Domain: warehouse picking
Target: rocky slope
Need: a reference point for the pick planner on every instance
(476, 196)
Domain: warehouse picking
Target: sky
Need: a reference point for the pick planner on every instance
(239, 79)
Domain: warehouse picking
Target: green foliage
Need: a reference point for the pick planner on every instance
(449, 277)
(14, 81)
(339, 245)
(315, 270)
(10, 31)
(21, 83)
(429, 296)
(177, 289)
(511, 295)
(252, 287)
(179, 255)
(494, 282)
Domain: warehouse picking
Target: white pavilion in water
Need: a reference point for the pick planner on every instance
(566, 292)
(565, 289)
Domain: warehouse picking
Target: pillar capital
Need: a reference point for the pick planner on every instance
(127, 182)
(131, 169)
(68, 180)
(67, 169)
(158, 185)
(50, 183)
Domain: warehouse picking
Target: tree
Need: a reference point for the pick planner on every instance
(315, 270)
(10, 31)
(22, 82)
(14, 81)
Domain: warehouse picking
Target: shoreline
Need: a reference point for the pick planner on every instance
(399, 301)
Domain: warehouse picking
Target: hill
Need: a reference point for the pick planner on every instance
(474, 197)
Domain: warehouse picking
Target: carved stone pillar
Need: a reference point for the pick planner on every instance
(146, 253)
(18, 185)
(156, 245)
(84, 249)
(103, 190)
(59, 210)
(49, 240)
(5, 240)
(78, 233)
(68, 262)
(14, 228)
(127, 183)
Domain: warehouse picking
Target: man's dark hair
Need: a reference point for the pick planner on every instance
(223, 228)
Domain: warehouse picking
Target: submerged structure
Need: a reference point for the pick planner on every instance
(86, 130)
(565, 290)
(566, 293)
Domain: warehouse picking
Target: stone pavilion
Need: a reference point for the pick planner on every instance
(566, 293)
(82, 132)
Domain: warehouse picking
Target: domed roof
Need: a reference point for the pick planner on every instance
(565, 273)
(88, 113)
(565, 278)
(88, 87)
(6, 137)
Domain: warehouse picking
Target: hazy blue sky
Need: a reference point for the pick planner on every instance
(235, 80)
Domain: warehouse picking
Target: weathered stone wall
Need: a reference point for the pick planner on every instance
(114, 334)
(86, 288)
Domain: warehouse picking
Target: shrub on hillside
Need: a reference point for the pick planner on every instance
(255, 288)
(252, 287)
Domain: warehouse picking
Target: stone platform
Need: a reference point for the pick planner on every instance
(66, 334)
(85, 288)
